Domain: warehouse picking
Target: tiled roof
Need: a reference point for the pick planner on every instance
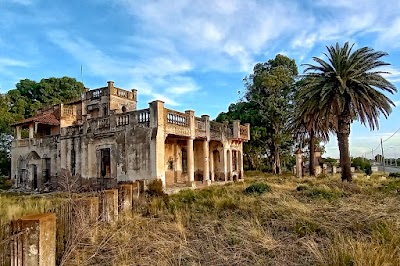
(46, 118)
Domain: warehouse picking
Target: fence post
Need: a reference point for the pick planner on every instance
(109, 205)
(136, 189)
(88, 213)
(125, 197)
(38, 241)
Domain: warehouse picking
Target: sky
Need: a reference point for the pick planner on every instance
(194, 54)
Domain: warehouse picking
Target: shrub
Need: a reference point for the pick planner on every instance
(395, 175)
(155, 188)
(257, 188)
(5, 183)
(323, 193)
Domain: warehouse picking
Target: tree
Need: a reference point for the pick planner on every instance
(345, 88)
(270, 87)
(255, 148)
(306, 126)
(25, 100)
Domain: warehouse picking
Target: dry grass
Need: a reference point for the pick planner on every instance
(304, 221)
(326, 222)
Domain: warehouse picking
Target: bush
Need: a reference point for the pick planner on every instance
(257, 188)
(155, 188)
(395, 175)
(5, 183)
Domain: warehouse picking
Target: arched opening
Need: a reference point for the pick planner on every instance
(124, 109)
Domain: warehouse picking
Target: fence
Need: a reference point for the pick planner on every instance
(57, 229)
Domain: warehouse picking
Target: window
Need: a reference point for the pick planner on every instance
(105, 162)
(184, 161)
(123, 109)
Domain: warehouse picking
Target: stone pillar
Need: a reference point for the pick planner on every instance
(135, 190)
(125, 197)
(206, 170)
(190, 158)
(36, 246)
(157, 145)
(229, 156)
(31, 130)
(299, 163)
(225, 158)
(212, 177)
(334, 171)
(18, 128)
(241, 163)
(318, 170)
(236, 129)
(109, 205)
(87, 214)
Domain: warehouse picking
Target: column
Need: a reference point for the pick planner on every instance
(157, 145)
(230, 164)
(241, 165)
(211, 160)
(206, 170)
(224, 157)
(31, 128)
(18, 128)
(190, 158)
(299, 163)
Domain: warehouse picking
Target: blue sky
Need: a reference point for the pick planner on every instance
(192, 54)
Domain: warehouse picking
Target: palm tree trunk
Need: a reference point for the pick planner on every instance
(311, 145)
(343, 134)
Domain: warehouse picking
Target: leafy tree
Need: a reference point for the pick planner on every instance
(362, 164)
(345, 88)
(270, 87)
(253, 150)
(25, 100)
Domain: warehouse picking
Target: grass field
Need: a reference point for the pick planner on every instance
(266, 220)
(278, 221)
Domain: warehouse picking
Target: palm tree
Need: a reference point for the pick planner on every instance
(345, 88)
(306, 124)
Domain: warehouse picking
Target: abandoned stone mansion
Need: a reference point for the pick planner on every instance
(103, 138)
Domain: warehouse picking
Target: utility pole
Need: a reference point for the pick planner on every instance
(383, 157)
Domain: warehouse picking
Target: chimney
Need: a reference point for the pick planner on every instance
(110, 84)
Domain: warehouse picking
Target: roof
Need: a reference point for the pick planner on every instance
(45, 118)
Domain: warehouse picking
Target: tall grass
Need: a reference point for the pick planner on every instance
(293, 221)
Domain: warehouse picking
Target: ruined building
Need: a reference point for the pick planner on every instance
(105, 140)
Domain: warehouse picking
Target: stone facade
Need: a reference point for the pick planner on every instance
(105, 140)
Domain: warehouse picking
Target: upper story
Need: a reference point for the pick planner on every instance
(110, 109)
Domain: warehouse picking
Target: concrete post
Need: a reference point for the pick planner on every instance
(157, 145)
(18, 128)
(87, 211)
(206, 170)
(135, 190)
(236, 129)
(109, 205)
(37, 244)
(190, 158)
(225, 160)
(125, 197)
(334, 171)
(229, 154)
(31, 129)
(212, 166)
(299, 163)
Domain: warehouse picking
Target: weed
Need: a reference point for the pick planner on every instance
(257, 189)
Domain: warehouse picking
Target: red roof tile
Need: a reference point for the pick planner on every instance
(46, 118)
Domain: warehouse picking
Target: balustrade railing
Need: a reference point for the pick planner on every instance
(177, 118)
(68, 110)
(143, 116)
(103, 123)
(122, 120)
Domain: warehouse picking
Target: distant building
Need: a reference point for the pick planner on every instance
(105, 140)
